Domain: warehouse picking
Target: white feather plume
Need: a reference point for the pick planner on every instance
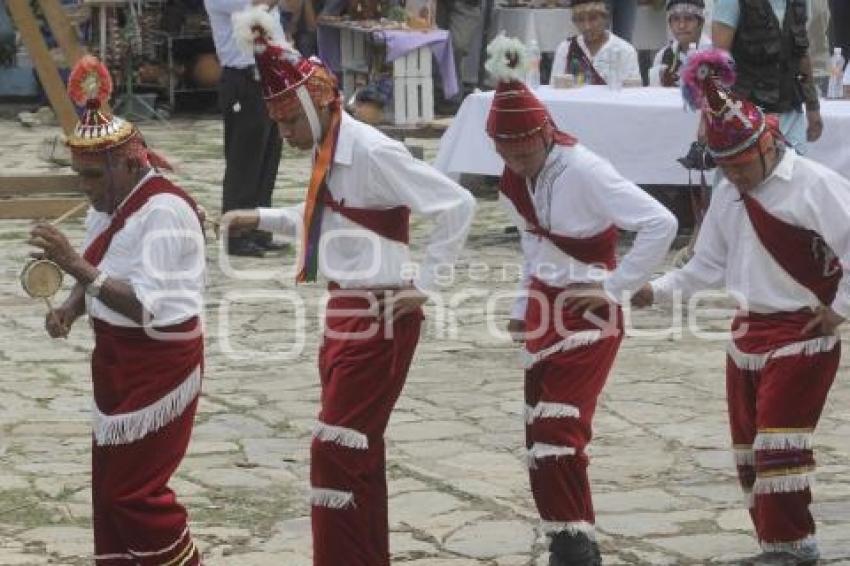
(506, 59)
(253, 23)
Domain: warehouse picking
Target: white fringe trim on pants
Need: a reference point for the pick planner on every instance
(744, 456)
(787, 483)
(347, 437)
(803, 548)
(550, 411)
(783, 440)
(749, 498)
(331, 498)
(754, 362)
(572, 527)
(124, 428)
(163, 550)
(540, 450)
(573, 341)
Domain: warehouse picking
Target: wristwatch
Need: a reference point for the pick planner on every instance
(93, 288)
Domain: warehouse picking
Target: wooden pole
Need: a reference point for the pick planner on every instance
(44, 65)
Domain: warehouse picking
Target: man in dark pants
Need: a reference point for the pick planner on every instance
(252, 143)
(622, 17)
(769, 42)
(840, 10)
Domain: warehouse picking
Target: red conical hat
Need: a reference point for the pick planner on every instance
(516, 115)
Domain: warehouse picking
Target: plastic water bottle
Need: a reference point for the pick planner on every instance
(532, 76)
(836, 72)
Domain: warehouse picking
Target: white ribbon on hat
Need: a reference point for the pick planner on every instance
(310, 110)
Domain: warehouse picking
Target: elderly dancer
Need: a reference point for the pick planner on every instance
(140, 280)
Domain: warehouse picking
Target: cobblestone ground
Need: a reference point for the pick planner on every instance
(663, 479)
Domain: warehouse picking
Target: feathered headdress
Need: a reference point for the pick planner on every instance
(98, 131)
(733, 124)
(90, 87)
(283, 70)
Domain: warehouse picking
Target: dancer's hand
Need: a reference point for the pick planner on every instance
(240, 222)
(825, 322)
(397, 304)
(58, 322)
(56, 246)
(643, 297)
(583, 297)
(516, 328)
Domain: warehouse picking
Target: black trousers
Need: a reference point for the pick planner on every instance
(840, 14)
(252, 144)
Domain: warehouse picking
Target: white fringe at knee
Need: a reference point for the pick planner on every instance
(744, 456)
(783, 484)
(347, 437)
(331, 498)
(124, 428)
(550, 411)
(540, 450)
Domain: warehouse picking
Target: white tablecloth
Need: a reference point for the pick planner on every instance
(640, 130)
(547, 26)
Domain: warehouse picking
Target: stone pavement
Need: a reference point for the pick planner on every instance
(664, 484)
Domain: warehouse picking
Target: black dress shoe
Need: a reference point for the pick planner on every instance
(264, 240)
(244, 248)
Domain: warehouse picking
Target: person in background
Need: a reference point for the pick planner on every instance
(252, 144)
(622, 17)
(770, 45)
(462, 18)
(686, 19)
(840, 12)
(819, 50)
(596, 55)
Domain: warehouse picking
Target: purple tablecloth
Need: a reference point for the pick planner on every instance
(398, 43)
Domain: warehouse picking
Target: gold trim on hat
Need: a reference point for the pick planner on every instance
(99, 136)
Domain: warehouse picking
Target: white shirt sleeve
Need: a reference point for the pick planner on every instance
(847, 75)
(559, 63)
(521, 302)
(415, 184)
(631, 208)
(171, 261)
(706, 270)
(287, 221)
(827, 212)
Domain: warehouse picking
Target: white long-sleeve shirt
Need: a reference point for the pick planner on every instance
(374, 172)
(615, 51)
(728, 251)
(159, 253)
(220, 13)
(579, 194)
